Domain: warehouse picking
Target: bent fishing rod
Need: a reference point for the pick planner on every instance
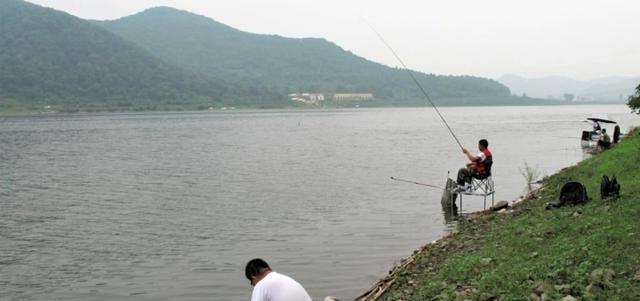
(424, 92)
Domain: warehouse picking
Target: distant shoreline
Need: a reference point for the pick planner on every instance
(26, 112)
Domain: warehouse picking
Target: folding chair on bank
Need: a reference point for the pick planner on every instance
(481, 186)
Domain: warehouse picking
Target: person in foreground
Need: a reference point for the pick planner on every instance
(272, 286)
(479, 166)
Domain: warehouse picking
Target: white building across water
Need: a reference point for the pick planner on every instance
(310, 98)
(352, 96)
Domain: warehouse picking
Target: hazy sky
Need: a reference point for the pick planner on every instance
(581, 39)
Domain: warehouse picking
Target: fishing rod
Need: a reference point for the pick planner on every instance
(424, 92)
(417, 183)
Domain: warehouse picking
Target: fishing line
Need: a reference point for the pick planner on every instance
(424, 92)
(417, 183)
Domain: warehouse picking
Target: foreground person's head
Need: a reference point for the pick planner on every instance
(256, 269)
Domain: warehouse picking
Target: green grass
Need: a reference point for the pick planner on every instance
(533, 246)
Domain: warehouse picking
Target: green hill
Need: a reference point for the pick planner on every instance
(52, 58)
(287, 65)
(164, 58)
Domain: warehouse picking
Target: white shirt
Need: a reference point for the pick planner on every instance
(279, 287)
(482, 156)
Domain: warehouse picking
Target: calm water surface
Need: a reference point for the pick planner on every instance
(171, 206)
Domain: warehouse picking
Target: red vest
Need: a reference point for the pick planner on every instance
(481, 166)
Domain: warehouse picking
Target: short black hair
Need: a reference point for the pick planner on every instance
(604, 130)
(255, 267)
(484, 142)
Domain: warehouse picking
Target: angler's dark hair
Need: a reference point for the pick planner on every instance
(484, 142)
(255, 267)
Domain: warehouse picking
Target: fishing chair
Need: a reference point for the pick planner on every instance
(482, 186)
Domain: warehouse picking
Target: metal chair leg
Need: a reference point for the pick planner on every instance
(485, 202)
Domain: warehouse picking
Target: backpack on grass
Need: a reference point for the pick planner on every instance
(609, 188)
(571, 193)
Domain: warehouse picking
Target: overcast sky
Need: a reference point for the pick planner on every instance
(581, 39)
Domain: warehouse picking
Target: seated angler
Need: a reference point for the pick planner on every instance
(479, 166)
(605, 140)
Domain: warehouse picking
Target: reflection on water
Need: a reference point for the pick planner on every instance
(450, 212)
(170, 206)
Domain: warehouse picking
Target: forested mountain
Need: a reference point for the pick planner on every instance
(289, 65)
(166, 58)
(50, 57)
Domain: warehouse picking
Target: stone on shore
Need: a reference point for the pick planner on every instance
(488, 297)
(592, 290)
(500, 205)
(602, 278)
(534, 297)
(542, 288)
(486, 261)
(564, 289)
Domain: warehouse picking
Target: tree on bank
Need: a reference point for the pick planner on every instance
(634, 101)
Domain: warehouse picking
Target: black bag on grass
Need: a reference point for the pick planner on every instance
(572, 193)
(608, 187)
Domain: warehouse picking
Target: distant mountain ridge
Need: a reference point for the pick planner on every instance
(288, 65)
(164, 58)
(48, 56)
(612, 89)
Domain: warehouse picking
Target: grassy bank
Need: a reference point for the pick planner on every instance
(586, 252)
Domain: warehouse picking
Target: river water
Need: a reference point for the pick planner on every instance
(170, 206)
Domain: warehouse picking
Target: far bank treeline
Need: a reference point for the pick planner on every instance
(164, 58)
